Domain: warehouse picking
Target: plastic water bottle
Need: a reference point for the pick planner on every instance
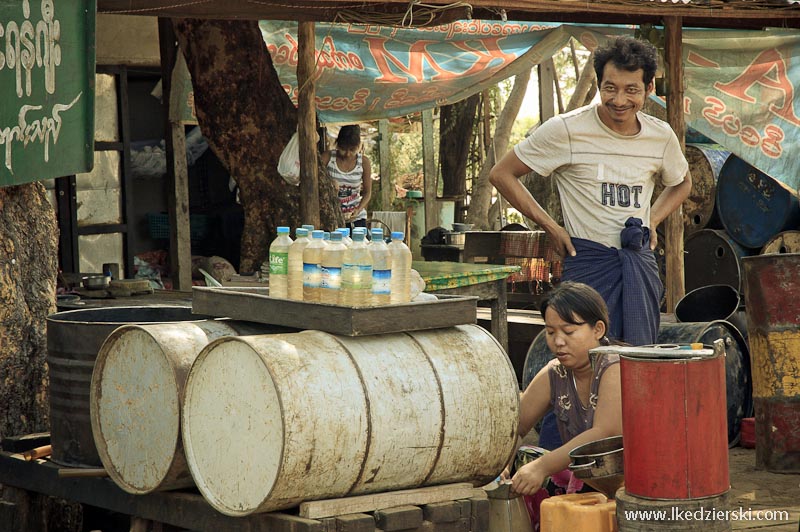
(312, 273)
(401, 269)
(356, 288)
(296, 263)
(279, 264)
(346, 240)
(331, 265)
(381, 269)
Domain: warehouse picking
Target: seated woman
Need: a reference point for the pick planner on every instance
(584, 394)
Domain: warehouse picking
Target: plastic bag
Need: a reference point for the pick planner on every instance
(289, 161)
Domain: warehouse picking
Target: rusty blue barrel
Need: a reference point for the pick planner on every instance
(753, 207)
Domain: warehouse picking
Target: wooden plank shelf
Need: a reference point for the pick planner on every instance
(254, 304)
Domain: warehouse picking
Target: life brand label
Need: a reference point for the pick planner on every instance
(279, 263)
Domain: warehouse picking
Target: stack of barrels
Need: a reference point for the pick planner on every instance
(263, 422)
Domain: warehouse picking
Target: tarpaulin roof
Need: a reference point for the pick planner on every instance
(740, 85)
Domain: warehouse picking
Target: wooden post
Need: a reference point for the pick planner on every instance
(385, 162)
(673, 225)
(547, 101)
(429, 172)
(180, 242)
(306, 125)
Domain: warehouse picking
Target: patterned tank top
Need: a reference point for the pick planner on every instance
(572, 417)
(348, 185)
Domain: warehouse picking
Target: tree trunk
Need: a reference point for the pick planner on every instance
(455, 137)
(28, 251)
(481, 201)
(247, 118)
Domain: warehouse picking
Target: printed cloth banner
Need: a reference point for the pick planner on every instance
(370, 72)
(740, 92)
(739, 83)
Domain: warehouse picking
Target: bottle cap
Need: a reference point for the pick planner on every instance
(283, 230)
(377, 231)
(326, 235)
(300, 232)
(309, 227)
(358, 236)
(344, 230)
(336, 236)
(398, 235)
(317, 234)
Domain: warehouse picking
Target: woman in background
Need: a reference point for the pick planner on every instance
(351, 172)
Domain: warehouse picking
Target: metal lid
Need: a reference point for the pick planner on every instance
(664, 351)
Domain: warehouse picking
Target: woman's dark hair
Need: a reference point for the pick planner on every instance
(349, 137)
(577, 303)
(628, 54)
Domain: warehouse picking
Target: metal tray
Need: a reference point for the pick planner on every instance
(254, 304)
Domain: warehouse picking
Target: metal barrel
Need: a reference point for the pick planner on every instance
(713, 257)
(773, 315)
(753, 207)
(637, 514)
(699, 209)
(711, 303)
(73, 339)
(136, 396)
(270, 421)
(783, 242)
(674, 422)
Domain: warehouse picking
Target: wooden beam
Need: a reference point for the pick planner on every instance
(306, 125)
(673, 225)
(385, 163)
(710, 13)
(180, 244)
(429, 172)
(378, 501)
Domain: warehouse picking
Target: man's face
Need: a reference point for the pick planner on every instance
(622, 95)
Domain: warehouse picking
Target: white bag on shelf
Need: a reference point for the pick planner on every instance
(289, 161)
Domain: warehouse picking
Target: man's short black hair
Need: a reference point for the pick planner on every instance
(628, 54)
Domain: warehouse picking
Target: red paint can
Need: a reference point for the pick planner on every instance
(674, 421)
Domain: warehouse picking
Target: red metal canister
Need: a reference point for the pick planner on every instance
(674, 421)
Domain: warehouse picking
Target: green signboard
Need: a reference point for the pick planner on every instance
(47, 66)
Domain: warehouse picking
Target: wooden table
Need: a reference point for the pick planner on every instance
(486, 281)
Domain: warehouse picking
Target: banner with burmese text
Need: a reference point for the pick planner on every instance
(739, 84)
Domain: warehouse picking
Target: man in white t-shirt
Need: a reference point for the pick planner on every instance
(605, 159)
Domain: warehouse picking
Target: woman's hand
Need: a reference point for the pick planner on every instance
(528, 479)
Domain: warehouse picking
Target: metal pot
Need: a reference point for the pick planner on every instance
(454, 239)
(598, 458)
(96, 282)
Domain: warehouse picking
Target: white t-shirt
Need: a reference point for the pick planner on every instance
(603, 177)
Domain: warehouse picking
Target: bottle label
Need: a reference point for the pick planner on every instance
(311, 275)
(278, 263)
(381, 281)
(331, 277)
(357, 276)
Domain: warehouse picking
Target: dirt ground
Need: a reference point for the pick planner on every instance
(763, 491)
